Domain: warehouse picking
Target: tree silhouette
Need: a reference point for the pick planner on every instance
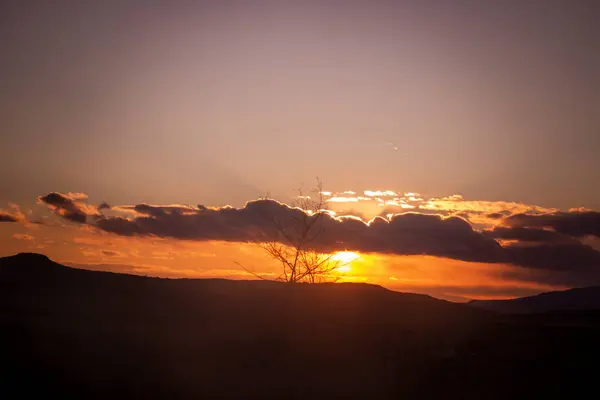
(293, 242)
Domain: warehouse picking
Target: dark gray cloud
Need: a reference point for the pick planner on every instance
(68, 206)
(573, 257)
(551, 242)
(529, 235)
(415, 233)
(498, 215)
(406, 234)
(576, 223)
(6, 217)
(546, 249)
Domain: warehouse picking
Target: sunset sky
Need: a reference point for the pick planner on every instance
(477, 118)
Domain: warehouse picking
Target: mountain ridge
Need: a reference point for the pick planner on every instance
(575, 299)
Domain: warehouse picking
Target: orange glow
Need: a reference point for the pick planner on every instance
(443, 278)
(345, 259)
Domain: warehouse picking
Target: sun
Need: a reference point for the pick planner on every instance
(344, 258)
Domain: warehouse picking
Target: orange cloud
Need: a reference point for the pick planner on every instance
(71, 206)
(339, 199)
(383, 202)
(379, 193)
(15, 216)
(456, 203)
(22, 236)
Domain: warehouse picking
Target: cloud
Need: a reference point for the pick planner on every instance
(456, 203)
(480, 212)
(529, 235)
(15, 216)
(574, 223)
(111, 253)
(575, 257)
(413, 234)
(70, 206)
(383, 202)
(379, 193)
(342, 199)
(6, 217)
(22, 236)
(549, 250)
(543, 247)
(405, 234)
(498, 215)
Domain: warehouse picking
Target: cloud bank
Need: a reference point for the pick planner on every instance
(544, 242)
(537, 241)
(406, 234)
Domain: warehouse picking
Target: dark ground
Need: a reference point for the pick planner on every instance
(85, 334)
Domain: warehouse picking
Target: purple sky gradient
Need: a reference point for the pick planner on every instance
(219, 102)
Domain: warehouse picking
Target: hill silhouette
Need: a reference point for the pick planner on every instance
(88, 334)
(578, 299)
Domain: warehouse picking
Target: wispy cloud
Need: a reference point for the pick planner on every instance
(23, 236)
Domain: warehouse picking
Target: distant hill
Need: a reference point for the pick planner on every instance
(37, 273)
(580, 299)
(77, 333)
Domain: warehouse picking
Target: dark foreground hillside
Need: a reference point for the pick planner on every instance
(84, 334)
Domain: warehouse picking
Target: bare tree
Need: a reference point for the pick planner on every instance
(293, 242)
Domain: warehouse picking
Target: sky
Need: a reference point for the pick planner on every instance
(481, 111)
